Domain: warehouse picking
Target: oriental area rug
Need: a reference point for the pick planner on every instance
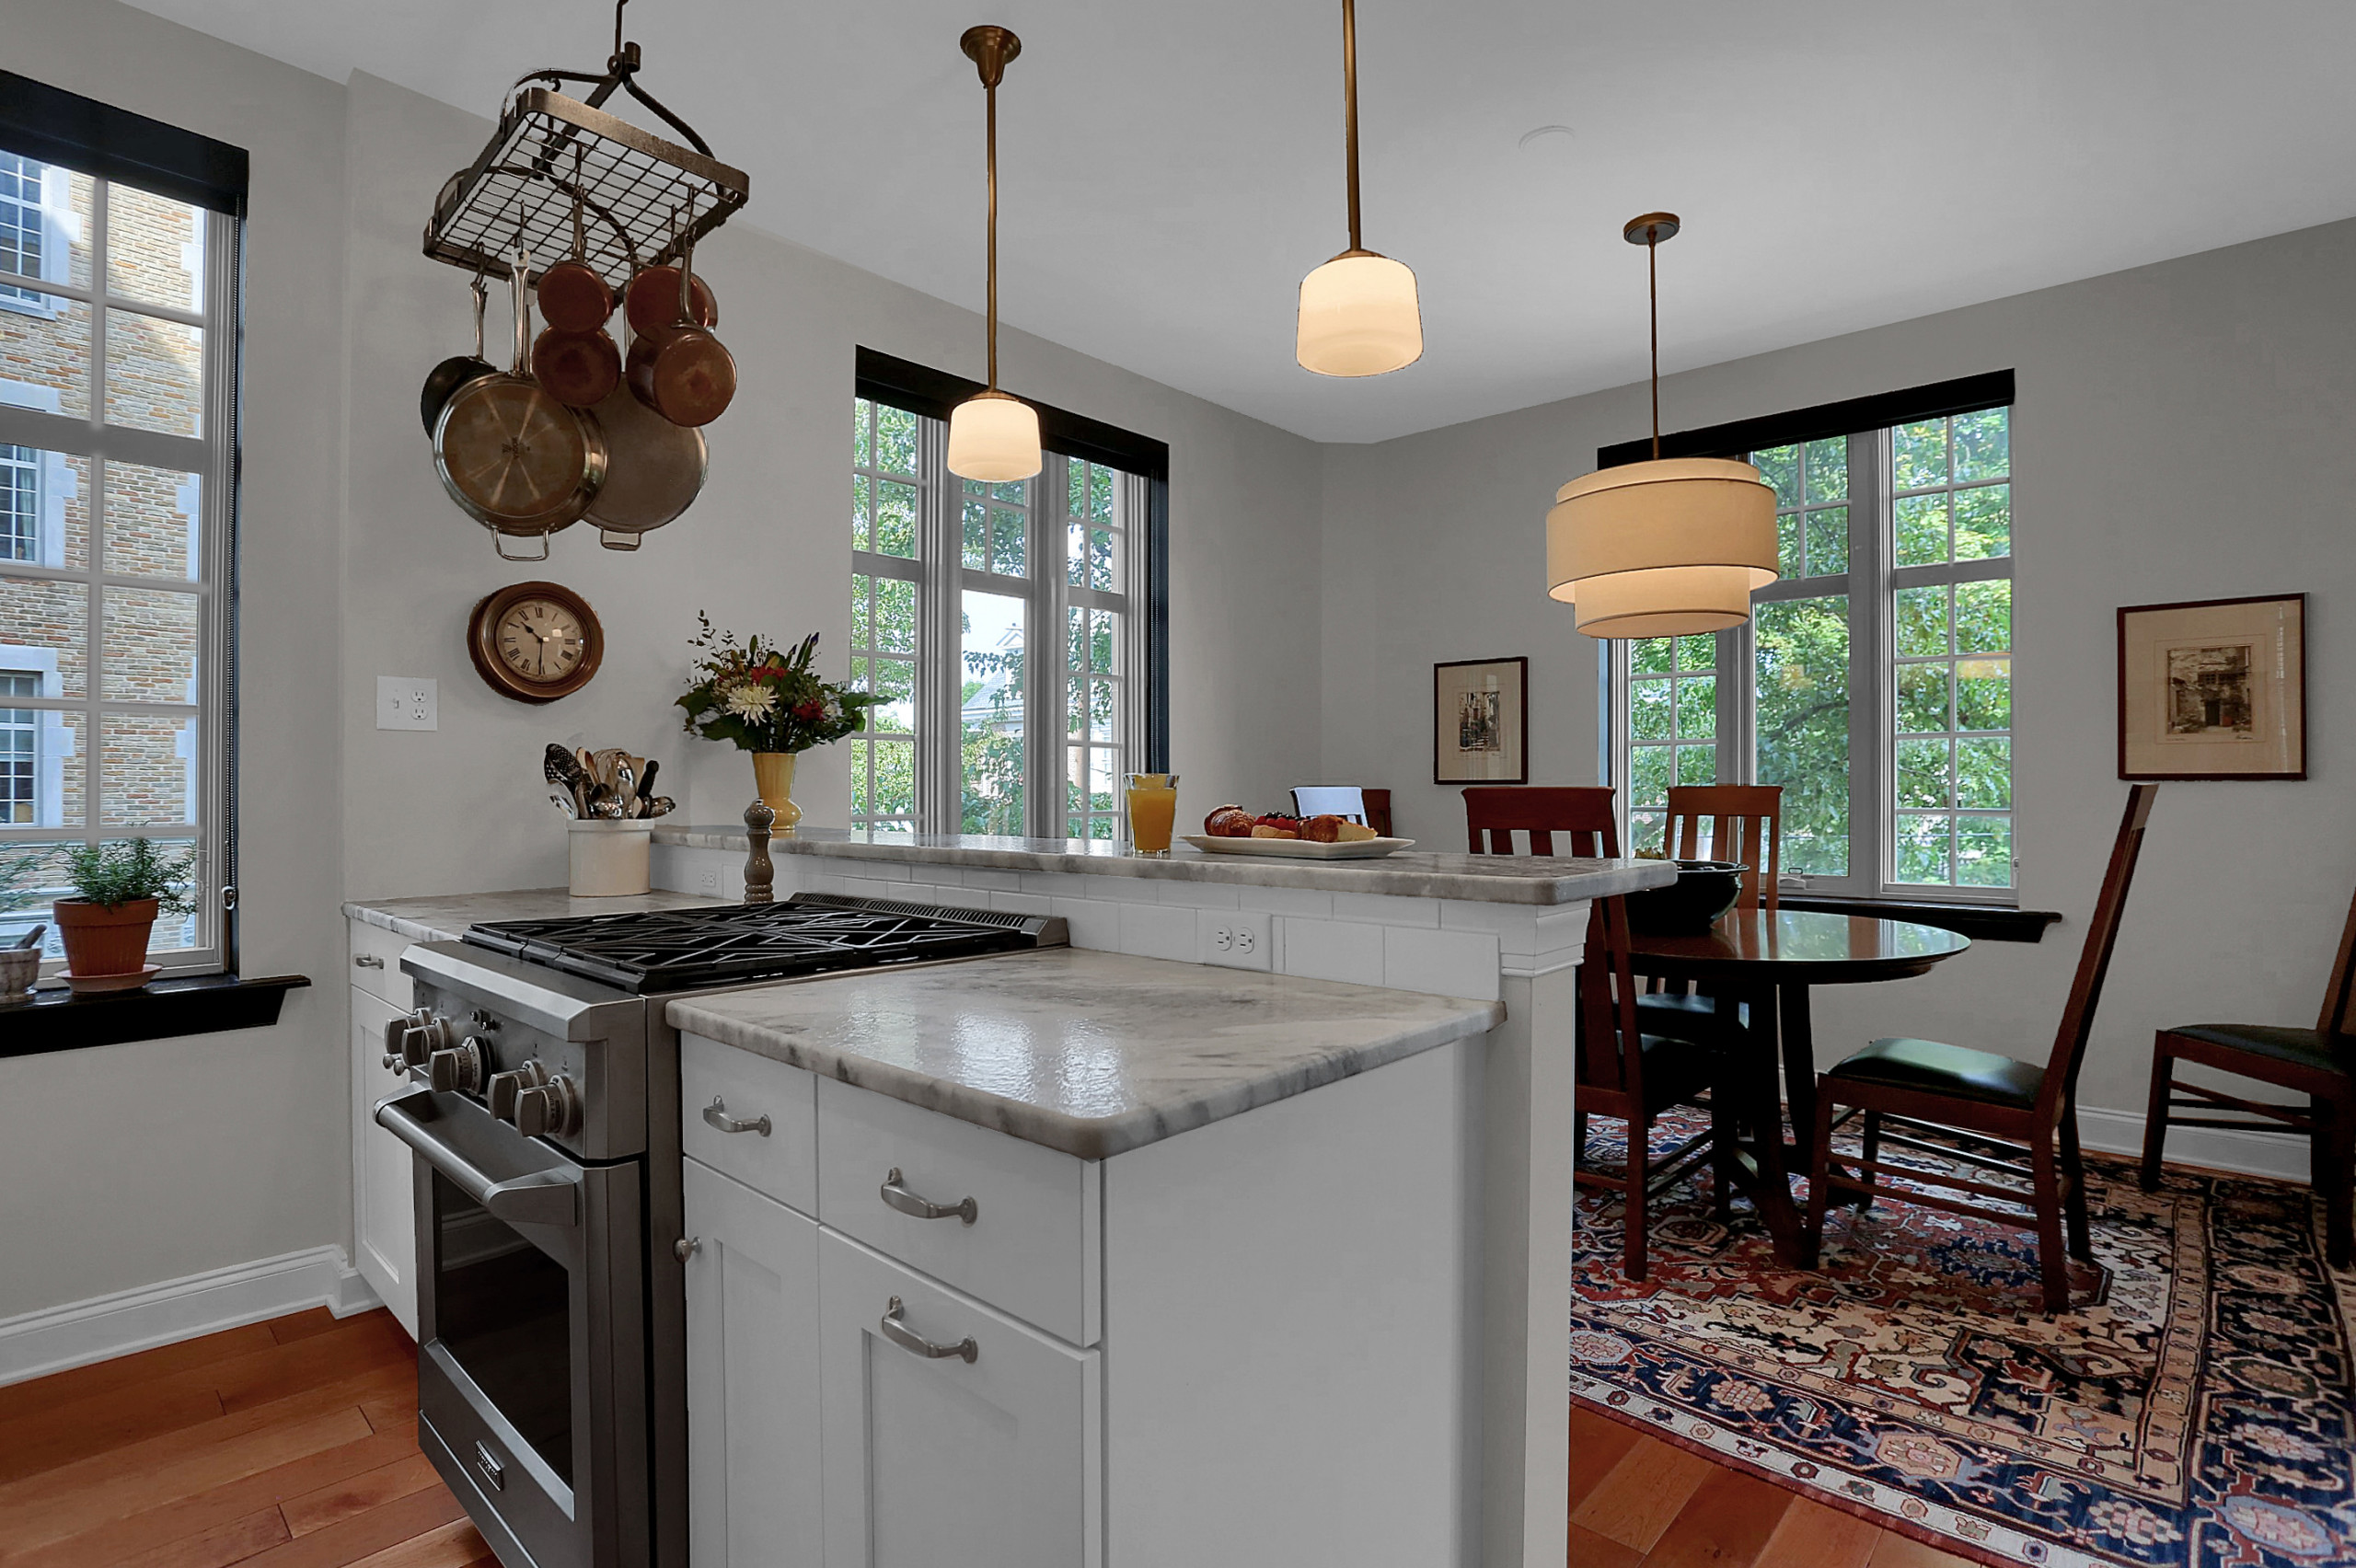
(2192, 1409)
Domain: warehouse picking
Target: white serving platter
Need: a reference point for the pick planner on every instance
(1299, 848)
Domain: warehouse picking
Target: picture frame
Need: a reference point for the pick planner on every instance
(1481, 721)
(2213, 688)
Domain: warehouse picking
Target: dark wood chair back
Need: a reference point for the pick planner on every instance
(1611, 1056)
(2339, 1015)
(2061, 1084)
(1744, 824)
(1582, 815)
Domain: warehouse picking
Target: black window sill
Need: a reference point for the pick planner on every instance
(53, 1019)
(1980, 922)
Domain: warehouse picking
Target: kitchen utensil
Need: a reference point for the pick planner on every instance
(580, 370)
(652, 301)
(646, 779)
(660, 805)
(562, 801)
(655, 470)
(573, 298)
(681, 371)
(458, 369)
(33, 937)
(625, 778)
(513, 458)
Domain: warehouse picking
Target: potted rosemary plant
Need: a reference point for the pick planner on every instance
(118, 890)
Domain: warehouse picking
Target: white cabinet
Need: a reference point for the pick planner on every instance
(932, 1459)
(384, 1212)
(753, 1317)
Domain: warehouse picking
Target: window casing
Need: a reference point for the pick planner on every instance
(1017, 608)
(117, 330)
(1874, 680)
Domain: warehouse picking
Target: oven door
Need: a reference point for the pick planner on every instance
(531, 1334)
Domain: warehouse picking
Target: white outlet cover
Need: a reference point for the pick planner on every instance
(1236, 939)
(407, 702)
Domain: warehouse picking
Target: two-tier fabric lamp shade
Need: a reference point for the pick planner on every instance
(1662, 548)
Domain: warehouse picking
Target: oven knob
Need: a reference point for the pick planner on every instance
(505, 1086)
(460, 1067)
(422, 1039)
(397, 1029)
(551, 1110)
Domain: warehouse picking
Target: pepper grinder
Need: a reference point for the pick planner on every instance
(760, 872)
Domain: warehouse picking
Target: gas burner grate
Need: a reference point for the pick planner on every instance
(688, 950)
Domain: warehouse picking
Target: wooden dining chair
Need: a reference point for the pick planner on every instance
(1742, 823)
(1621, 1070)
(2319, 1062)
(1990, 1101)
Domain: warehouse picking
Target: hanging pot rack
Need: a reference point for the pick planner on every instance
(645, 196)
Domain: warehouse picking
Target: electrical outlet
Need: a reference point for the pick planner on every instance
(1238, 939)
(708, 880)
(407, 702)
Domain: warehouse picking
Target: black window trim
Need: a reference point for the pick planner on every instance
(107, 142)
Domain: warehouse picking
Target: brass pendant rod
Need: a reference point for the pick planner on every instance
(1350, 108)
(1652, 288)
(989, 94)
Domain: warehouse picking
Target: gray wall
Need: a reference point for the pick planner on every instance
(2182, 432)
(133, 1164)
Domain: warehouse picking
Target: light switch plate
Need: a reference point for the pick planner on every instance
(407, 702)
(1239, 938)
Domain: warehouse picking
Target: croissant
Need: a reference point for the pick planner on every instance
(1229, 822)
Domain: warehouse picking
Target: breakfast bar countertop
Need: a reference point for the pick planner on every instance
(1093, 1054)
(1480, 879)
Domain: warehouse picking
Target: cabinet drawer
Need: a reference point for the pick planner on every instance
(782, 1162)
(1035, 1246)
(932, 1459)
(376, 965)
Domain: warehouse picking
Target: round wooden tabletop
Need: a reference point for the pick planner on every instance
(1798, 946)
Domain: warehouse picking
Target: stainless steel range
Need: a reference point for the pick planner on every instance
(544, 1112)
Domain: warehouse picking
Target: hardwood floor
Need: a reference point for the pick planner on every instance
(291, 1444)
(1639, 1503)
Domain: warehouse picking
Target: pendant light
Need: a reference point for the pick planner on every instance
(1358, 313)
(1665, 547)
(993, 436)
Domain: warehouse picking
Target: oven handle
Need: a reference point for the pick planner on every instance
(538, 1197)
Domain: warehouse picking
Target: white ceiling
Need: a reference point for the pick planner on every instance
(1169, 171)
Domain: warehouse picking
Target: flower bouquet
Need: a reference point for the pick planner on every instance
(763, 699)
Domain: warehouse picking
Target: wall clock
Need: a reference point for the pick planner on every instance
(534, 641)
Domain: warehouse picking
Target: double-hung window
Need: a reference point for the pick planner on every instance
(117, 330)
(1874, 681)
(1006, 627)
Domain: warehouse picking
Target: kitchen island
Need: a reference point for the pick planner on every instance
(1507, 930)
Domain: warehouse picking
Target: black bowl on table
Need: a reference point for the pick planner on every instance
(1703, 891)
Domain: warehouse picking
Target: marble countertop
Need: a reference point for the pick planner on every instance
(1090, 1053)
(1488, 879)
(444, 917)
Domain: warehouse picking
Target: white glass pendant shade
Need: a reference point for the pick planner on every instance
(994, 437)
(1662, 548)
(1359, 317)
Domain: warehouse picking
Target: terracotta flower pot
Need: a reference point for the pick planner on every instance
(99, 941)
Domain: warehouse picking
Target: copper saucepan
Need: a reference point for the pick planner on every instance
(681, 371)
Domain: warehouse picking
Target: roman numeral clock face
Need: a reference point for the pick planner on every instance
(534, 641)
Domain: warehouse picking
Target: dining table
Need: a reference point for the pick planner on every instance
(1764, 963)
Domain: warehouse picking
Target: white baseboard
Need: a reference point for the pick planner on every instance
(80, 1333)
(2281, 1155)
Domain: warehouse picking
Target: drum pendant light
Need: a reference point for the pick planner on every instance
(1359, 312)
(993, 436)
(1661, 548)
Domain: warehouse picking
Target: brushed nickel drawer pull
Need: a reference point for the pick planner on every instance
(686, 1247)
(716, 1114)
(896, 1193)
(367, 961)
(908, 1338)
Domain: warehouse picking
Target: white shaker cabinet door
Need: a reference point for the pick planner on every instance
(384, 1206)
(935, 1461)
(752, 1379)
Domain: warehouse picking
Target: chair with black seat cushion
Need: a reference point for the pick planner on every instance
(1981, 1098)
(2319, 1062)
(1622, 1071)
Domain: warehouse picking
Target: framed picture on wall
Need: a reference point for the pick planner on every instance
(1481, 721)
(2213, 688)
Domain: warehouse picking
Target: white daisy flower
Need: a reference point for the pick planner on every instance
(756, 701)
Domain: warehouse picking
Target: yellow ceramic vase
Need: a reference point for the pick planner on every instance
(773, 777)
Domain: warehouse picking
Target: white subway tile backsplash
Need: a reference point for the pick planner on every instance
(1054, 884)
(992, 880)
(1094, 923)
(1022, 903)
(1288, 901)
(1380, 910)
(1329, 950)
(1117, 889)
(1155, 930)
(953, 897)
(885, 870)
(1196, 895)
(1444, 964)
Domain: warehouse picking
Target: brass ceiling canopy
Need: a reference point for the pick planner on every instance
(992, 49)
(993, 436)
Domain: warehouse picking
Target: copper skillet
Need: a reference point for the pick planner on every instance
(512, 456)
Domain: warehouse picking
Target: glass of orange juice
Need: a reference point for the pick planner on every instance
(1153, 811)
